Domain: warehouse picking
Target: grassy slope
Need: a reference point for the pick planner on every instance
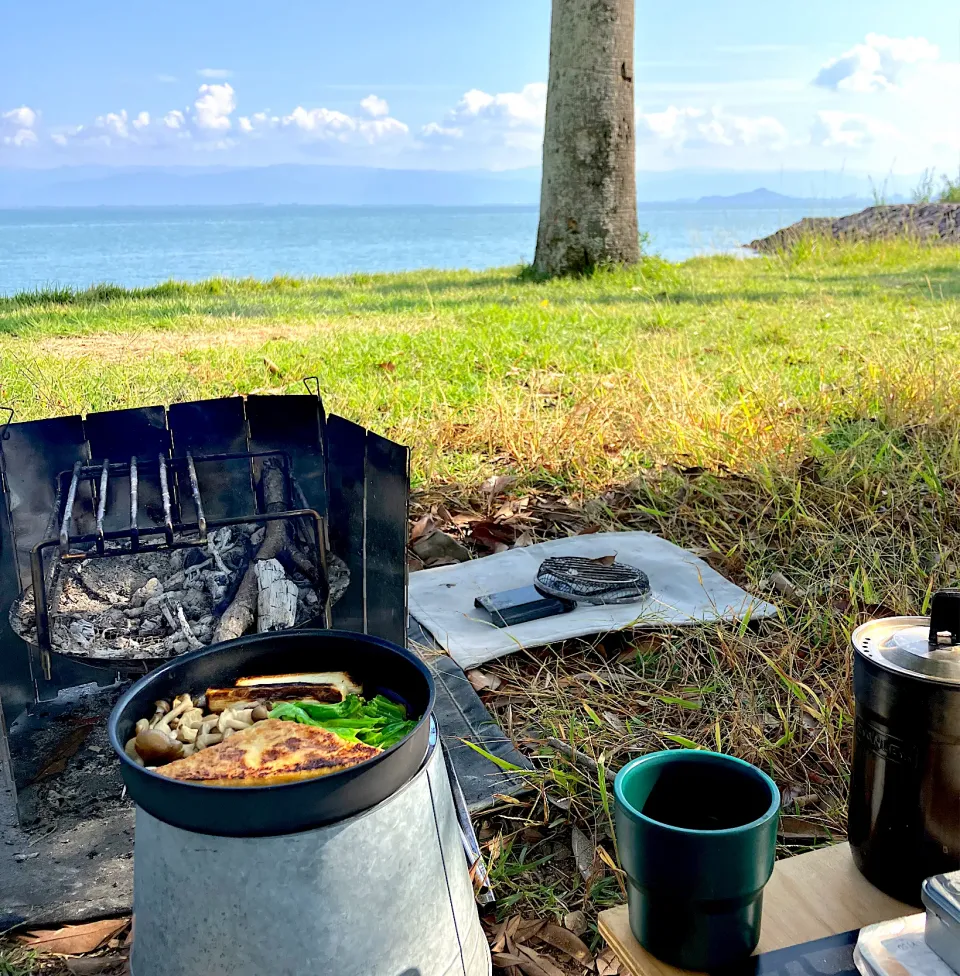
(819, 392)
(717, 360)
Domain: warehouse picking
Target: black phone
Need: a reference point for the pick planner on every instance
(511, 607)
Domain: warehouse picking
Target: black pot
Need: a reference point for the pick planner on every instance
(904, 813)
(236, 811)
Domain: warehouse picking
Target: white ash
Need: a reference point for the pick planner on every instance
(160, 604)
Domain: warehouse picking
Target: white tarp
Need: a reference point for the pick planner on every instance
(684, 590)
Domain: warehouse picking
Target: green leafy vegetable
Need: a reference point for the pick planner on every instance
(378, 722)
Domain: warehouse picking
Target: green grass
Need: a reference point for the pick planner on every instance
(716, 361)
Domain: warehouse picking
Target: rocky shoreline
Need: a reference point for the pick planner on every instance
(931, 223)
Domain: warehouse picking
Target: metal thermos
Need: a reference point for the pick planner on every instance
(904, 813)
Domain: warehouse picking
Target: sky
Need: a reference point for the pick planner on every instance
(827, 85)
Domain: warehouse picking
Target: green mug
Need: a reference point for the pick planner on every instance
(697, 838)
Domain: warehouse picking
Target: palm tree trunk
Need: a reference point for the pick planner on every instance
(588, 197)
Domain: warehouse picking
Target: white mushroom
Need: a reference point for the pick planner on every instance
(132, 752)
(143, 725)
(235, 721)
(205, 739)
(187, 733)
(192, 719)
(180, 705)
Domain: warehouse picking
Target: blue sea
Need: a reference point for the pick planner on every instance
(143, 245)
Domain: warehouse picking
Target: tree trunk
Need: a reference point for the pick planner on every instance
(588, 197)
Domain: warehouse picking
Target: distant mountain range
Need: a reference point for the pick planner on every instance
(354, 185)
(762, 198)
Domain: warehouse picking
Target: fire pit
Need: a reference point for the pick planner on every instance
(129, 537)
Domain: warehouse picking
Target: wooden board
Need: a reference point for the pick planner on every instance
(810, 896)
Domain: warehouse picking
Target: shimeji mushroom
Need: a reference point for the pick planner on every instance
(180, 705)
(157, 747)
(235, 721)
(160, 709)
(130, 750)
(207, 738)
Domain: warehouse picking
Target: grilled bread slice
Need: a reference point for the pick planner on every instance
(220, 698)
(269, 753)
(336, 679)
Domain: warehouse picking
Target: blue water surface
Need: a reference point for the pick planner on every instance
(143, 245)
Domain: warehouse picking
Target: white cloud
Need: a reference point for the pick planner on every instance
(375, 106)
(876, 65)
(442, 131)
(22, 118)
(166, 79)
(174, 119)
(142, 120)
(690, 127)
(214, 72)
(213, 106)
(499, 130)
(17, 127)
(324, 124)
(113, 124)
(849, 130)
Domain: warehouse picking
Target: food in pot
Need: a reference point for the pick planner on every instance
(270, 753)
(352, 728)
(330, 686)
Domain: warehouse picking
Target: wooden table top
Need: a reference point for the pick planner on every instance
(810, 896)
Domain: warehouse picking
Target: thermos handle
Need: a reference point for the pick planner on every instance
(945, 618)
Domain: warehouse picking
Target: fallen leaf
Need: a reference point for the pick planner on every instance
(272, 367)
(495, 936)
(490, 535)
(541, 965)
(504, 959)
(529, 928)
(604, 560)
(483, 682)
(496, 484)
(608, 964)
(74, 940)
(523, 540)
(90, 965)
(582, 852)
(614, 720)
(495, 847)
(387, 367)
(564, 940)
(589, 530)
(422, 527)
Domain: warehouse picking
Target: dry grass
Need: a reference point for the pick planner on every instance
(867, 524)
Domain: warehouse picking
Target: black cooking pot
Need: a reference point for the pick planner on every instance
(904, 814)
(237, 811)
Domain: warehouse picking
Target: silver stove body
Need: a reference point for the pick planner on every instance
(385, 893)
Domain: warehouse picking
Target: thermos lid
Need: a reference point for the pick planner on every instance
(924, 647)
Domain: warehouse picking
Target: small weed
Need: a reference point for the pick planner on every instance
(15, 961)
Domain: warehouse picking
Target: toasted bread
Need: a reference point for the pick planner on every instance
(220, 698)
(269, 753)
(337, 679)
